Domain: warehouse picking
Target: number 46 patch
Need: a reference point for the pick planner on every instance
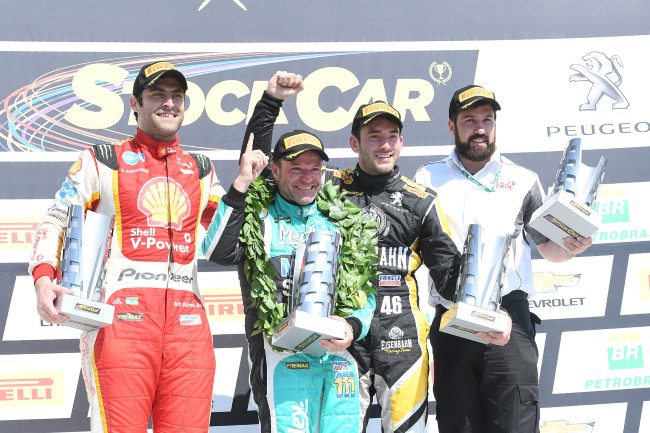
(391, 305)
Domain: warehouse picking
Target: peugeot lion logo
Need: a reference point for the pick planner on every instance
(605, 79)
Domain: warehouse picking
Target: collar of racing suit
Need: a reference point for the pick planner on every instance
(160, 148)
(369, 180)
(289, 208)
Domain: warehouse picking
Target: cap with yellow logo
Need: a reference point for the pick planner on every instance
(293, 144)
(469, 97)
(150, 73)
(369, 112)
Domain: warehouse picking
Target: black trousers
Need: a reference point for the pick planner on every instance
(485, 388)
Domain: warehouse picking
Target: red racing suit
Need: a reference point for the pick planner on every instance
(157, 358)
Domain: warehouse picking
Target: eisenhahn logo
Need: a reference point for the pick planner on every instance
(164, 202)
(603, 74)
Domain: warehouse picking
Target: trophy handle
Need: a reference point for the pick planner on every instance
(495, 298)
(567, 172)
(596, 179)
(467, 283)
(69, 274)
(297, 265)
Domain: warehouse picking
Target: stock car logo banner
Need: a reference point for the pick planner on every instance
(85, 101)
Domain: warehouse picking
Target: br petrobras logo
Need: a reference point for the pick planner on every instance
(605, 78)
(623, 209)
(615, 360)
(625, 352)
(165, 203)
(132, 158)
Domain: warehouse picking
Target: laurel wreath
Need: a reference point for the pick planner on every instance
(357, 266)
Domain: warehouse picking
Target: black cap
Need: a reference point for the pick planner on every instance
(468, 97)
(295, 143)
(150, 73)
(368, 112)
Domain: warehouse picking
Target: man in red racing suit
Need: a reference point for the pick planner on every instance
(157, 358)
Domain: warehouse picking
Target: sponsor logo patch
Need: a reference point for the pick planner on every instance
(130, 317)
(190, 319)
(390, 280)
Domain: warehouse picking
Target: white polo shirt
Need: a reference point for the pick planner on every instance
(501, 198)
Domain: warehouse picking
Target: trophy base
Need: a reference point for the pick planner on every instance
(83, 313)
(465, 320)
(562, 216)
(303, 331)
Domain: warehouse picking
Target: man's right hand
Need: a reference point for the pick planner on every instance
(284, 85)
(251, 164)
(46, 293)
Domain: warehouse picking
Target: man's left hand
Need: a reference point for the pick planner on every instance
(577, 246)
(498, 338)
(336, 344)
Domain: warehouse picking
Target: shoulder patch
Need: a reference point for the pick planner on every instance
(203, 163)
(416, 188)
(345, 175)
(105, 154)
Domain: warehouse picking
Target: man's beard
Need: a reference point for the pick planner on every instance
(475, 154)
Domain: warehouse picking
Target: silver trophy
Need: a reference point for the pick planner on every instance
(312, 297)
(478, 291)
(568, 211)
(86, 244)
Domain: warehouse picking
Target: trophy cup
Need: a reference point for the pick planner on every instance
(569, 209)
(478, 291)
(85, 250)
(312, 296)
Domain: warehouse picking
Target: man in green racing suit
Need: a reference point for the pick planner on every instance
(294, 391)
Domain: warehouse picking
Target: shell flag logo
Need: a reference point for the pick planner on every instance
(165, 203)
(75, 167)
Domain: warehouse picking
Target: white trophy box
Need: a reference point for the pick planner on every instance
(312, 297)
(86, 246)
(568, 211)
(478, 291)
